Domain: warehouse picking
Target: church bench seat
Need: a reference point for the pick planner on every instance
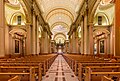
(18, 65)
(78, 63)
(46, 61)
(16, 78)
(25, 76)
(96, 68)
(21, 69)
(97, 76)
(105, 78)
(92, 75)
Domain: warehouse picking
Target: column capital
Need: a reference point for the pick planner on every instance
(28, 24)
(90, 24)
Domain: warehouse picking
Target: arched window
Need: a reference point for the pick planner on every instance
(99, 20)
(19, 20)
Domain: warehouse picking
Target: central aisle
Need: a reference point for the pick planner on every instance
(60, 71)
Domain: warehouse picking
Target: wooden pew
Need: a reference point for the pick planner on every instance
(105, 78)
(82, 66)
(73, 60)
(45, 60)
(79, 62)
(22, 69)
(25, 76)
(19, 64)
(16, 78)
(90, 75)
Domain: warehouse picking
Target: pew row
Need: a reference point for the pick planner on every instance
(21, 67)
(97, 76)
(78, 63)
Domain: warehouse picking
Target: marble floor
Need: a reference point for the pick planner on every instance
(60, 71)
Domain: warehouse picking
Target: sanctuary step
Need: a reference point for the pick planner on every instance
(60, 71)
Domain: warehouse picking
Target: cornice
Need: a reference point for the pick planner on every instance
(87, 6)
(36, 8)
(72, 29)
(47, 29)
(28, 3)
(37, 11)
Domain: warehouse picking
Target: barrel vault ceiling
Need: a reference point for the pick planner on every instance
(59, 14)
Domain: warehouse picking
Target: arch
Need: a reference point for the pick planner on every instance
(59, 9)
(91, 17)
(16, 13)
(101, 30)
(59, 23)
(60, 13)
(13, 2)
(18, 30)
(60, 34)
(103, 15)
(26, 9)
(14, 6)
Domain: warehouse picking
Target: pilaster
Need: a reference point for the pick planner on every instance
(91, 44)
(86, 37)
(117, 27)
(34, 34)
(2, 28)
(28, 39)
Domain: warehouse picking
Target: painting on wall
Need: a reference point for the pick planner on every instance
(16, 46)
(102, 46)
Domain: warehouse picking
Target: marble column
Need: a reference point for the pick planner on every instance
(105, 44)
(112, 40)
(49, 45)
(80, 46)
(28, 39)
(117, 27)
(77, 44)
(50, 51)
(70, 44)
(11, 44)
(44, 42)
(108, 44)
(40, 45)
(38, 38)
(66, 47)
(107, 47)
(34, 34)
(82, 37)
(98, 48)
(7, 40)
(74, 48)
(86, 39)
(2, 28)
(91, 44)
(54, 47)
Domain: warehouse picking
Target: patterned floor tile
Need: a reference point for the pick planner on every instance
(60, 71)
